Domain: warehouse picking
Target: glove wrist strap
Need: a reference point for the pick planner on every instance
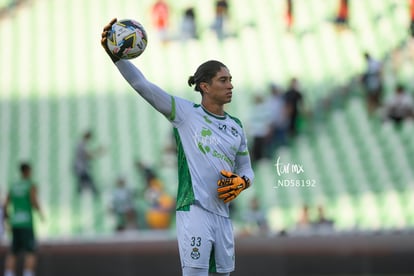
(247, 181)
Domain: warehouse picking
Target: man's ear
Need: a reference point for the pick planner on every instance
(204, 87)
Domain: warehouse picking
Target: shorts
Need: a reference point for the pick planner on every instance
(23, 240)
(205, 240)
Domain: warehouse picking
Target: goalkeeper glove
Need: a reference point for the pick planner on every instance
(231, 186)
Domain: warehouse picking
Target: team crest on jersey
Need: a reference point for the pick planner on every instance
(195, 254)
(234, 132)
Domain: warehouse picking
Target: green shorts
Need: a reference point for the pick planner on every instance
(23, 240)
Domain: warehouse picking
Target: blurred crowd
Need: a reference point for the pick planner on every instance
(221, 23)
(132, 206)
(275, 118)
(308, 221)
(188, 27)
(395, 107)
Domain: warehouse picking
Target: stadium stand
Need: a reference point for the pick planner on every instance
(56, 81)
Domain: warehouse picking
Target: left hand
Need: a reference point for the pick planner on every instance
(231, 185)
(104, 39)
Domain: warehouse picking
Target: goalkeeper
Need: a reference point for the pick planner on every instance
(213, 162)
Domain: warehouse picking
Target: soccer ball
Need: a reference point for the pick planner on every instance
(127, 39)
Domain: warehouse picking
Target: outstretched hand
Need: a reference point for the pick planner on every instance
(104, 39)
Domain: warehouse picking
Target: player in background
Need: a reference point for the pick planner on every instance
(213, 162)
(22, 199)
(82, 164)
(411, 9)
(2, 219)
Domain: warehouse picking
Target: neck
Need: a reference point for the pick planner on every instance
(216, 109)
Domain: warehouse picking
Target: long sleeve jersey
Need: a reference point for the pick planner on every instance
(206, 143)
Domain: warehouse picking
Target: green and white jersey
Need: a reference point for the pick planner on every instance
(207, 143)
(21, 215)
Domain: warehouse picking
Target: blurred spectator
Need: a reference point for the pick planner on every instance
(82, 163)
(169, 156)
(221, 17)
(259, 127)
(373, 83)
(400, 106)
(21, 201)
(278, 120)
(161, 204)
(412, 18)
(160, 16)
(188, 24)
(304, 218)
(304, 223)
(322, 223)
(123, 206)
(294, 104)
(255, 219)
(289, 15)
(2, 219)
(342, 16)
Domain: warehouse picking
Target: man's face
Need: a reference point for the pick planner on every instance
(220, 88)
(27, 172)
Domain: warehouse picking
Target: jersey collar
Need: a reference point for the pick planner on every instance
(214, 115)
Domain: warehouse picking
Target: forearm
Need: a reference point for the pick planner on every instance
(34, 200)
(35, 204)
(154, 95)
(244, 167)
(39, 210)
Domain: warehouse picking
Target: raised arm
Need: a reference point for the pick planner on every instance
(154, 95)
